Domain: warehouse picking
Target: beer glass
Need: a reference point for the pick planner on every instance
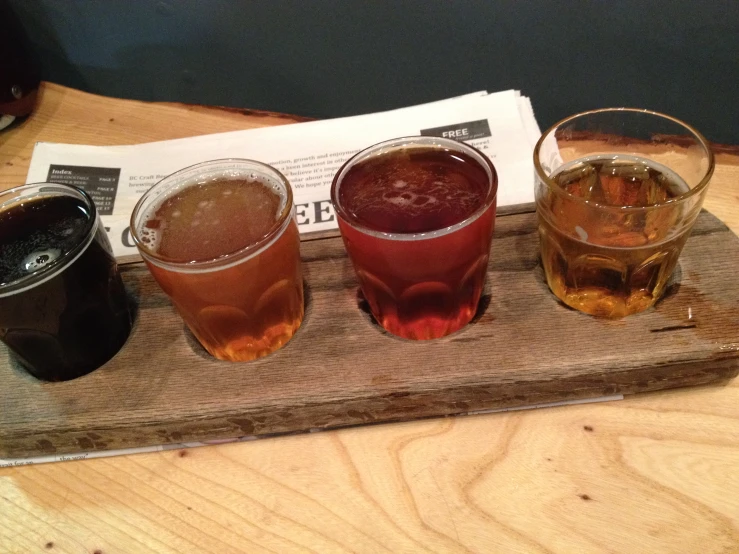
(221, 240)
(63, 306)
(617, 193)
(417, 215)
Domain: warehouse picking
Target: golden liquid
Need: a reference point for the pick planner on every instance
(611, 263)
(244, 310)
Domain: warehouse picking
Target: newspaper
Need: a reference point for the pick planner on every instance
(502, 125)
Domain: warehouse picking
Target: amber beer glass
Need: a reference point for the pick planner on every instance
(221, 240)
(417, 216)
(617, 193)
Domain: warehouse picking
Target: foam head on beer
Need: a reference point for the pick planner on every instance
(414, 190)
(213, 218)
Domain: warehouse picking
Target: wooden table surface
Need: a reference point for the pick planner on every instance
(652, 473)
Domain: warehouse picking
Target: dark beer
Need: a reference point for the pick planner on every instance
(63, 307)
(417, 222)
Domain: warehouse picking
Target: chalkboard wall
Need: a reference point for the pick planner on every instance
(328, 58)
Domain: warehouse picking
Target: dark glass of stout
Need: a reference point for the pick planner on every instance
(63, 306)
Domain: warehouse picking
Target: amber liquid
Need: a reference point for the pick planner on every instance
(246, 309)
(611, 263)
(423, 288)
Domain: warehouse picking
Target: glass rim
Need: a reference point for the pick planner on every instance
(414, 141)
(696, 190)
(56, 266)
(226, 260)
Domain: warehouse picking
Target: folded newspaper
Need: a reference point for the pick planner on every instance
(502, 125)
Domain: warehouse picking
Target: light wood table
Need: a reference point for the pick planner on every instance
(652, 473)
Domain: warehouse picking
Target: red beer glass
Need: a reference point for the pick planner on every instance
(417, 216)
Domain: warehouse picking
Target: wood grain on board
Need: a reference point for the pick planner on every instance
(655, 472)
(342, 369)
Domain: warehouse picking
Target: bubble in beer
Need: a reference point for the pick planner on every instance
(37, 260)
(150, 238)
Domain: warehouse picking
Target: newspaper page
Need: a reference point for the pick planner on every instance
(502, 125)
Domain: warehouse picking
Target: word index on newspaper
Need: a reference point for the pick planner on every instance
(502, 125)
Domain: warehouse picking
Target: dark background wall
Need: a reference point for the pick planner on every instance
(328, 58)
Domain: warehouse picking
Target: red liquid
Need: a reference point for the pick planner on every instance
(421, 288)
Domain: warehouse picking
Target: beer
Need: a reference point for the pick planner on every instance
(417, 221)
(616, 260)
(612, 223)
(225, 248)
(63, 307)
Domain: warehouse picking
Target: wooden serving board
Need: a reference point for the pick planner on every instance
(342, 369)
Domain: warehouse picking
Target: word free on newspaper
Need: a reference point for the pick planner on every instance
(502, 125)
